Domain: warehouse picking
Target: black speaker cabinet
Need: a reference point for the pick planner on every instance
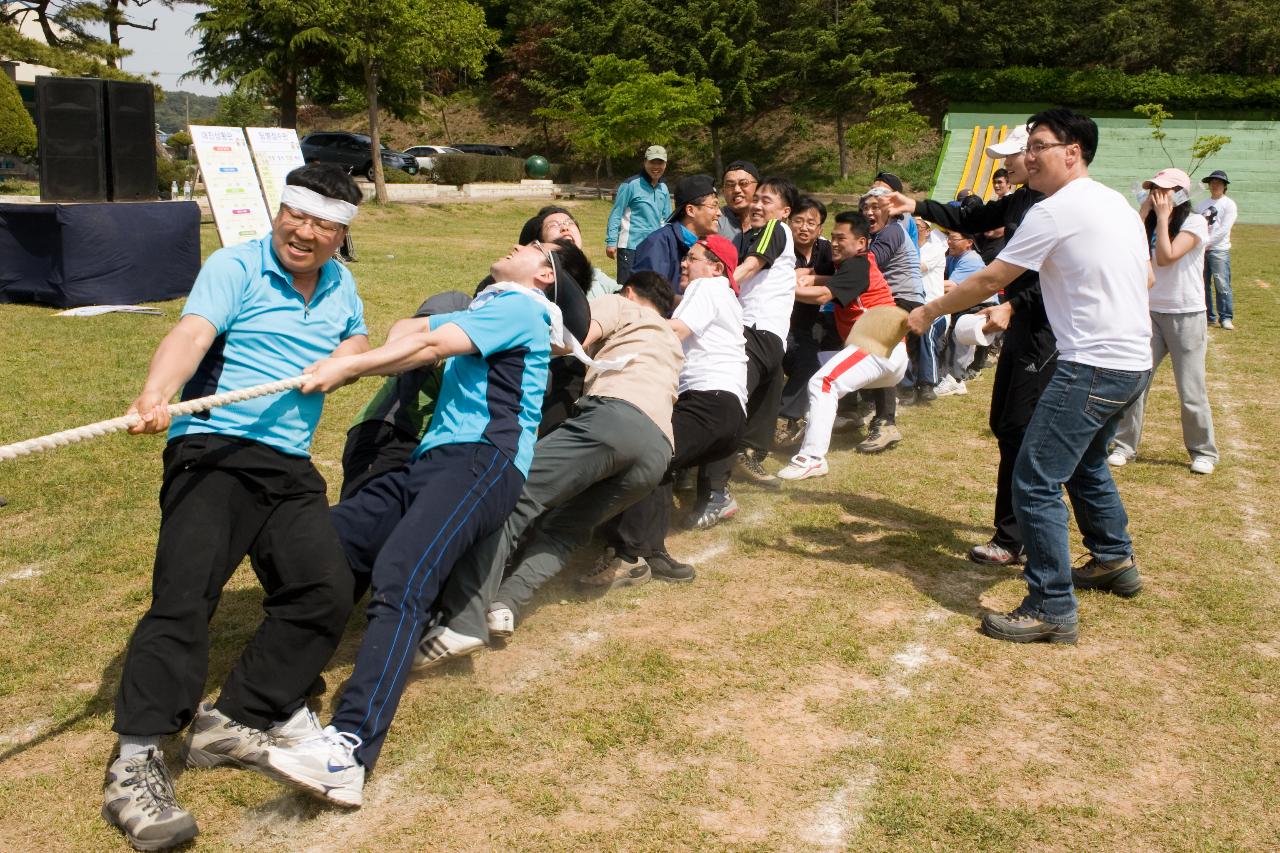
(131, 141)
(72, 139)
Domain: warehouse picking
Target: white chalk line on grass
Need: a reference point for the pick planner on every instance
(24, 734)
(33, 570)
(839, 817)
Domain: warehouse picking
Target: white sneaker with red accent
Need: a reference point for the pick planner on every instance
(804, 467)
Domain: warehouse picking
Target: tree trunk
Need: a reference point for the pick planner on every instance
(717, 162)
(113, 29)
(444, 119)
(608, 167)
(375, 141)
(842, 146)
(288, 103)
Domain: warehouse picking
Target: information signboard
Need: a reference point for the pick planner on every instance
(231, 183)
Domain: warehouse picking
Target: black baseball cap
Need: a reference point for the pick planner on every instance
(894, 182)
(1217, 174)
(690, 190)
(743, 166)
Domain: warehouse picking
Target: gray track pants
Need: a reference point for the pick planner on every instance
(586, 471)
(1184, 338)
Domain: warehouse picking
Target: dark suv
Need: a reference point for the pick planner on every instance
(485, 148)
(351, 150)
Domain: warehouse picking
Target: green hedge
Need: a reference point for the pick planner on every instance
(458, 169)
(1108, 89)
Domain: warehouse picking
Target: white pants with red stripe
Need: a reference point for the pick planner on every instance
(841, 373)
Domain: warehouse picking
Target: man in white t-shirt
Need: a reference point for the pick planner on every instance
(1221, 213)
(1091, 252)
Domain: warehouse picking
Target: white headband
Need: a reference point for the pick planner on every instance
(304, 200)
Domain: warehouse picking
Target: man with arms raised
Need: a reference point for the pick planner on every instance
(238, 480)
(1091, 251)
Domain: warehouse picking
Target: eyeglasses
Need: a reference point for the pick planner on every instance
(546, 255)
(711, 205)
(1035, 149)
(559, 224)
(743, 184)
(322, 227)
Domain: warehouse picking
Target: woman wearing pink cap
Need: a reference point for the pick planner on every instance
(1178, 325)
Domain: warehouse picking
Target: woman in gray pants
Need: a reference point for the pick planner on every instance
(1178, 326)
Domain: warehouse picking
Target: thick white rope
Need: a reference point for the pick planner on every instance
(189, 407)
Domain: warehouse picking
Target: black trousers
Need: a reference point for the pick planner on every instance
(1028, 356)
(373, 448)
(706, 425)
(223, 498)
(765, 381)
(799, 364)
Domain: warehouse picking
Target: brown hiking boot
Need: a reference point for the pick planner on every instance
(880, 437)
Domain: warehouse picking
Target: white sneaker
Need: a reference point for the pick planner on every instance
(950, 387)
(804, 467)
(324, 765)
(1228, 325)
(1202, 465)
(440, 644)
(303, 725)
(137, 796)
(1117, 459)
(500, 621)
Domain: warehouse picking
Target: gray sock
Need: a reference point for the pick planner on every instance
(131, 745)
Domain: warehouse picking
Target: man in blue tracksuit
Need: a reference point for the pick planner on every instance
(696, 215)
(409, 526)
(640, 207)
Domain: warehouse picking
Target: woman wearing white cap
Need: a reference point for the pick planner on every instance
(1178, 325)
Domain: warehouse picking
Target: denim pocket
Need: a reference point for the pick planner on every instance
(1112, 390)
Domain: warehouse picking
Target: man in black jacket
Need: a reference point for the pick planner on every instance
(1029, 352)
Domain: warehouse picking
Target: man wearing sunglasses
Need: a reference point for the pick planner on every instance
(1091, 251)
(239, 480)
(407, 528)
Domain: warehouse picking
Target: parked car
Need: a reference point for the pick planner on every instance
(351, 150)
(426, 154)
(485, 148)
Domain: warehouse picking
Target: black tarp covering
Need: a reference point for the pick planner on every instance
(124, 253)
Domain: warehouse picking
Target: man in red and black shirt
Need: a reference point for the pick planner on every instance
(856, 286)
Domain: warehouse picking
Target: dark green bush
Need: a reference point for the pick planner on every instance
(1109, 89)
(168, 171)
(458, 169)
(397, 176)
(501, 169)
(17, 130)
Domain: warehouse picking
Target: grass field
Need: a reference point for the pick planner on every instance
(822, 686)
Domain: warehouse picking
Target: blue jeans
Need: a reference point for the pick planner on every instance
(1217, 271)
(1066, 443)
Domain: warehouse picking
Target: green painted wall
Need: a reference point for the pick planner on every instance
(1127, 154)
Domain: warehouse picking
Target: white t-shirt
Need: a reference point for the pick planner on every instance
(769, 295)
(1224, 210)
(933, 263)
(1091, 251)
(1179, 287)
(715, 355)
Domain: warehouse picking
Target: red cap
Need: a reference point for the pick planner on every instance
(726, 253)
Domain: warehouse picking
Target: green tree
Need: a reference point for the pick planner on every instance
(392, 46)
(1202, 148)
(622, 105)
(68, 44)
(17, 130)
(892, 123)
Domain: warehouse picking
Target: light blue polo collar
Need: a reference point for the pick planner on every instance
(330, 274)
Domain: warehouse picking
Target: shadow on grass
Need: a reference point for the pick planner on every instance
(926, 549)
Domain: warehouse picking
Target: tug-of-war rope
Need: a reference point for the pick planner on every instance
(101, 428)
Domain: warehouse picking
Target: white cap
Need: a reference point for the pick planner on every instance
(655, 152)
(969, 330)
(1014, 142)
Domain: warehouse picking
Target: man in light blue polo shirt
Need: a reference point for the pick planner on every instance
(641, 206)
(239, 480)
(408, 527)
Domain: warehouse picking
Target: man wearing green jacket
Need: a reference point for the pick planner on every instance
(640, 207)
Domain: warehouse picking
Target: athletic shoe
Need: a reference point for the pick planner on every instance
(500, 621)
(1022, 626)
(925, 394)
(440, 644)
(215, 739)
(614, 571)
(1117, 459)
(879, 438)
(1119, 577)
(686, 481)
(719, 507)
(949, 387)
(137, 796)
(303, 725)
(804, 467)
(667, 568)
(993, 554)
(1228, 325)
(789, 432)
(324, 765)
(749, 467)
(842, 424)
(1202, 465)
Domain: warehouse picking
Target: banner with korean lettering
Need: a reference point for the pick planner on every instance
(231, 182)
(276, 152)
